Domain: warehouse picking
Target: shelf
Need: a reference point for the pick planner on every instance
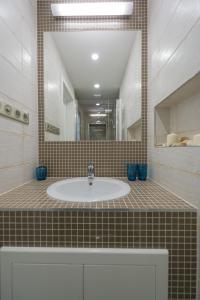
(179, 113)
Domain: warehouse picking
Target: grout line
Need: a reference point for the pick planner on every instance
(168, 190)
(21, 185)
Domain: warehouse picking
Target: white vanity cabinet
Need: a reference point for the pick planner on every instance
(83, 274)
(51, 281)
(119, 282)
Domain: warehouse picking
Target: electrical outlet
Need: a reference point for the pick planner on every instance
(13, 113)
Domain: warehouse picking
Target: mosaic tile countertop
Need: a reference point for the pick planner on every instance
(144, 195)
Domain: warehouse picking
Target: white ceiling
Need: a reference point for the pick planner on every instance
(113, 47)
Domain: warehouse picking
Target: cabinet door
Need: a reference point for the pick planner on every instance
(46, 282)
(119, 282)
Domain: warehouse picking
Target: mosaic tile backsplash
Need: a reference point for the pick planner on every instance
(175, 231)
(149, 217)
(109, 157)
(145, 195)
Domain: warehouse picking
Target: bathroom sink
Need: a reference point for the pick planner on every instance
(79, 190)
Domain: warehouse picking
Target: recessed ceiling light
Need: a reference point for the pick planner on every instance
(98, 115)
(92, 9)
(96, 85)
(97, 104)
(97, 95)
(95, 56)
(108, 110)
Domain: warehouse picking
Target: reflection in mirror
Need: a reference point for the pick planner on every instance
(92, 85)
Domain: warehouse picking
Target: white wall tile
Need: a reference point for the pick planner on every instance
(187, 58)
(11, 150)
(29, 150)
(11, 177)
(166, 36)
(11, 16)
(11, 77)
(10, 48)
(18, 87)
(177, 169)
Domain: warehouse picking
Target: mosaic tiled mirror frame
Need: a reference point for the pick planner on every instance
(65, 159)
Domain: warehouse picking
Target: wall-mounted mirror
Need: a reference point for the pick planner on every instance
(92, 85)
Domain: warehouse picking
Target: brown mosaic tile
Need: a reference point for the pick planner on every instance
(113, 229)
(109, 157)
(149, 217)
(144, 195)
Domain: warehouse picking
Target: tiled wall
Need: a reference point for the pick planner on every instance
(18, 87)
(71, 158)
(175, 231)
(174, 48)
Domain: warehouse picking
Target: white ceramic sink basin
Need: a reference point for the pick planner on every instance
(79, 190)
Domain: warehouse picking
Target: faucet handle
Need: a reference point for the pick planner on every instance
(90, 172)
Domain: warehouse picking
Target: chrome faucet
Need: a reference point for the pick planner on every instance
(90, 172)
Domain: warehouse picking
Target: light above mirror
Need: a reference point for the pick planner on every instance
(92, 9)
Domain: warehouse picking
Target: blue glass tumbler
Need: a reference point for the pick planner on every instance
(142, 171)
(132, 172)
(41, 173)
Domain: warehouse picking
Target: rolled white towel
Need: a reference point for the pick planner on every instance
(196, 139)
(172, 138)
